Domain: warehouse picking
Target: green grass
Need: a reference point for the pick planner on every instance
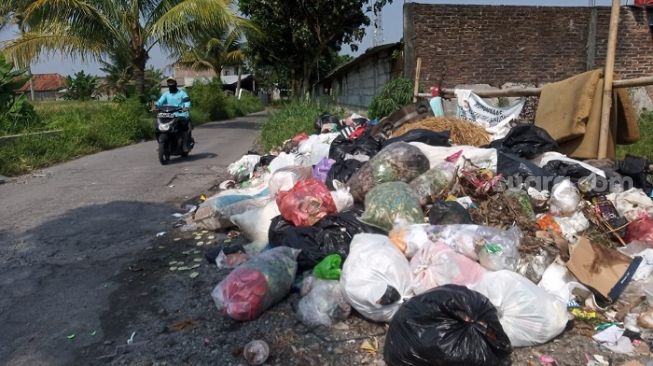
(644, 147)
(89, 127)
(291, 119)
(210, 103)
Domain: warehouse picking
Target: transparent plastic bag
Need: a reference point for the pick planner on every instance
(436, 264)
(257, 284)
(214, 213)
(432, 183)
(375, 277)
(397, 162)
(323, 305)
(469, 240)
(500, 250)
(410, 239)
(241, 169)
(391, 202)
(255, 223)
(306, 203)
(528, 314)
(285, 178)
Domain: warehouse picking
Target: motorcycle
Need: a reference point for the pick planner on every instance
(169, 135)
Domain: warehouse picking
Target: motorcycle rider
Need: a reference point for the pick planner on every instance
(178, 98)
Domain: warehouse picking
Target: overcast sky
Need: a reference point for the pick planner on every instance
(392, 29)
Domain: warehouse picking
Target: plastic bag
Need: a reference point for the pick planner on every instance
(500, 250)
(325, 118)
(410, 239)
(422, 135)
(331, 235)
(480, 157)
(388, 203)
(285, 178)
(526, 141)
(513, 165)
(565, 199)
(255, 223)
(341, 171)
(328, 268)
(365, 145)
(470, 239)
(640, 230)
(257, 284)
(375, 277)
(436, 264)
(342, 198)
(632, 204)
(447, 326)
(281, 161)
(306, 203)
(397, 162)
(532, 266)
(321, 170)
(323, 305)
(448, 213)
(214, 213)
(528, 314)
(432, 183)
(241, 169)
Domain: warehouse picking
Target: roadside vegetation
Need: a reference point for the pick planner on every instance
(644, 147)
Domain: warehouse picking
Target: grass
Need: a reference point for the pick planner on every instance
(210, 103)
(644, 147)
(290, 120)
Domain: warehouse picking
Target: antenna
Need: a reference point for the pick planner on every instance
(378, 27)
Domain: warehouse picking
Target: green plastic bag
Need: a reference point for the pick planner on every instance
(390, 202)
(328, 268)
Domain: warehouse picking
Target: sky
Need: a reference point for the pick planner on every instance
(392, 32)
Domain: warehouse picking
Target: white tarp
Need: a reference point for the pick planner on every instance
(495, 120)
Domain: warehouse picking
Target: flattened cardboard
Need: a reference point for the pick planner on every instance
(606, 271)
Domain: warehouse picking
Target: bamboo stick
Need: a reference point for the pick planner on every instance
(418, 69)
(604, 132)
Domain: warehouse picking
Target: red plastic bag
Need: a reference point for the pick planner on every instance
(640, 230)
(300, 137)
(306, 203)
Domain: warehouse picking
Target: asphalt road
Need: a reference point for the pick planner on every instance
(67, 231)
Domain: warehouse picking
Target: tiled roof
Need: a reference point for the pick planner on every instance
(45, 82)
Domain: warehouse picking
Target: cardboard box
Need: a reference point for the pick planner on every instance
(604, 270)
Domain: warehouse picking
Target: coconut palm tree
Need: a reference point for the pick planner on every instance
(218, 48)
(92, 29)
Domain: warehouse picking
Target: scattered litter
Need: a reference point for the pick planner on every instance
(71, 336)
(256, 352)
(370, 347)
(161, 234)
(193, 274)
(176, 239)
(548, 360)
(182, 325)
(130, 341)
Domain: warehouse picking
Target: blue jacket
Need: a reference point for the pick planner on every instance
(177, 100)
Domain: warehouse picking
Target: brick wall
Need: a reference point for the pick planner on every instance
(471, 44)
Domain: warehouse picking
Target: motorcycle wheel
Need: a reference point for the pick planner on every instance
(164, 154)
(185, 154)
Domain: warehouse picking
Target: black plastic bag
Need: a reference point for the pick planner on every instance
(325, 118)
(265, 161)
(422, 135)
(331, 235)
(447, 326)
(512, 165)
(448, 213)
(341, 171)
(565, 169)
(637, 169)
(365, 144)
(526, 141)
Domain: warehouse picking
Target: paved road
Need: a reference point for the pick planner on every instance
(67, 230)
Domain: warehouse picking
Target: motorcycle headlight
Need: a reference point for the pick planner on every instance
(164, 126)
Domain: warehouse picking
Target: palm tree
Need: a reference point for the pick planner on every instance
(99, 28)
(217, 48)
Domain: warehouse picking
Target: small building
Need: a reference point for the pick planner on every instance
(229, 76)
(355, 83)
(44, 87)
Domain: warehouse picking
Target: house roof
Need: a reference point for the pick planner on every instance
(45, 82)
(370, 52)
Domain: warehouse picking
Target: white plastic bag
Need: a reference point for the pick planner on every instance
(255, 223)
(409, 239)
(565, 199)
(632, 204)
(341, 196)
(528, 314)
(281, 161)
(375, 277)
(480, 157)
(214, 213)
(560, 283)
(572, 225)
(324, 304)
(285, 178)
(243, 168)
(436, 264)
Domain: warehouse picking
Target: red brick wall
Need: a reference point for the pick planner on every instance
(470, 44)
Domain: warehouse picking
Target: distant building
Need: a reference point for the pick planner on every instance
(229, 76)
(45, 87)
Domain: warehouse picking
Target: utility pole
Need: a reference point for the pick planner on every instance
(378, 27)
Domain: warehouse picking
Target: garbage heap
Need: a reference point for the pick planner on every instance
(466, 251)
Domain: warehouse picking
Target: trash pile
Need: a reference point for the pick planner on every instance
(467, 252)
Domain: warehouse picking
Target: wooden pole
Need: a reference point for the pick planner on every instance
(607, 82)
(418, 69)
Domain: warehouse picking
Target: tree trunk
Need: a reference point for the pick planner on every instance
(307, 72)
(139, 75)
(240, 74)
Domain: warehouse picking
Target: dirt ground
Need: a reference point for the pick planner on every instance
(174, 322)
